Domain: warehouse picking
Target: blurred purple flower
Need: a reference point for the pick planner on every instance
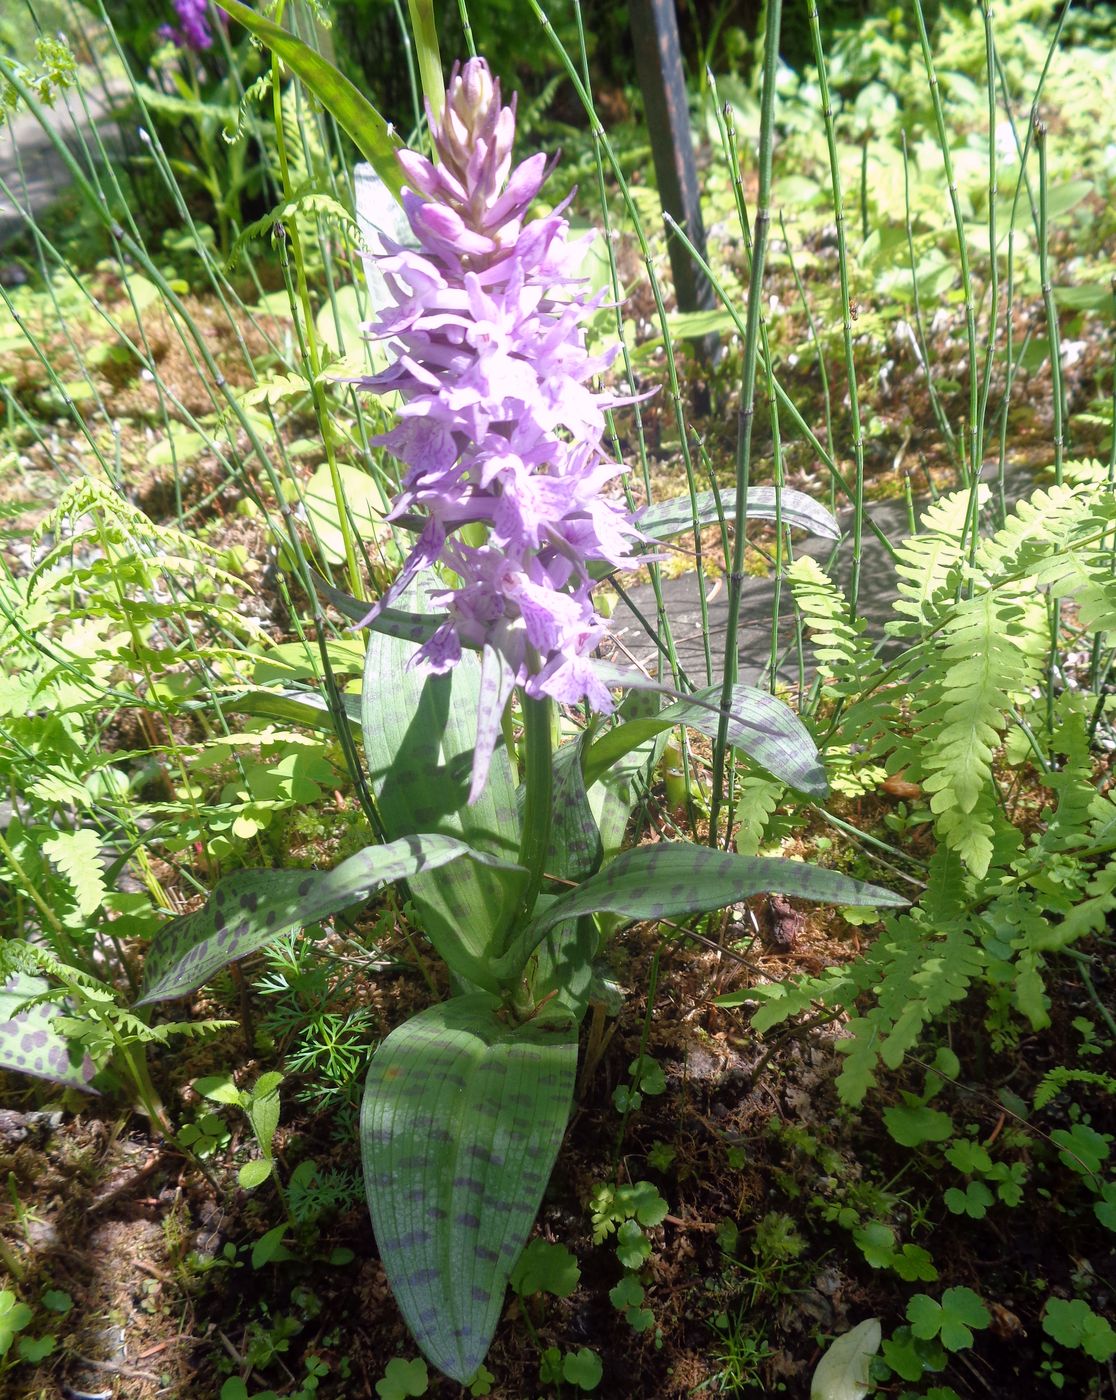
(193, 31)
(498, 424)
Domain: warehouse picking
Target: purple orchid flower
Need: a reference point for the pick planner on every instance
(498, 424)
(193, 30)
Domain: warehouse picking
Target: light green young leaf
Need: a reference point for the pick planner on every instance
(254, 1173)
(419, 736)
(842, 1373)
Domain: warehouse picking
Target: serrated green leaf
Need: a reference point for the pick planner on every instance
(77, 854)
(462, 1118)
(583, 1368)
(673, 879)
(760, 725)
(28, 1041)
(914, 1126)
(1073, 1323)
(403, 1379)
(253, 907)
(953, 1318)
(220, 1088)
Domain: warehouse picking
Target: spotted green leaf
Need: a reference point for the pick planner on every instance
(392, 622)
(462, 1119)
(28, 1041)
(666, 518)
(672, 879)
(419, 737)
(309, 708)
(336, 93)
(615, 793)
(763, 727)
(253, 907)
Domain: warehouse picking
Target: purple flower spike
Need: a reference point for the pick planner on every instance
(498, 424)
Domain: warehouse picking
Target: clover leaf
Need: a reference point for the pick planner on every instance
(14, 1317)
(402, 1379)
(583, 1368)
(1075, 1324)
(545, 1268)
(952, 1319)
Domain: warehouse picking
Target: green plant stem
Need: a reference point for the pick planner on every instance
(467, 28)
(923, 346)
(134, 1058)
(308, 331)
(1103, 1011)
(429, 59)
(837, 199)
(644, 1035)
(538, 779)
(10, 1261)
(1056, 384)
(39, 901)
(747, 404)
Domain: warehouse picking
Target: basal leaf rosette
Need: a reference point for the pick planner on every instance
(499, 426)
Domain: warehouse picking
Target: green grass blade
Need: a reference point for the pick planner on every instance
(429, 57)
(350, 107)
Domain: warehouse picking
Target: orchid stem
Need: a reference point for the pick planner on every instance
(537, 808)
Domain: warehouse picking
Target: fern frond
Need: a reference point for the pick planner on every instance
(309, 198)
(757, 798)
(919, 975)
(253, 93)
(927, 563)
(845, 657)
(77, 856)
(1055, 1080)
(980, 670)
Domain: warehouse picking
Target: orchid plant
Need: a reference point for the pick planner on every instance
(511, 844)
